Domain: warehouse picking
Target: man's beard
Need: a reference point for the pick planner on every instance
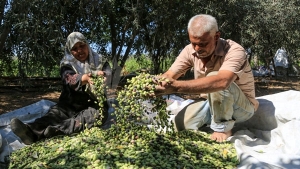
(201, 56)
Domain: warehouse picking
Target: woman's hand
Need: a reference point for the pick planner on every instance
(100, 73)
(86, 78)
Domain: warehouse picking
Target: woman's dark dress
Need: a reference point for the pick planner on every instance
(75, 110)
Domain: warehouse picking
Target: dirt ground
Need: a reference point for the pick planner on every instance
(14, 98)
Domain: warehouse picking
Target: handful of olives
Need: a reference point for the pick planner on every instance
(138, 103)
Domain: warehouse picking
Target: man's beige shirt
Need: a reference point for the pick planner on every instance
(228, 55)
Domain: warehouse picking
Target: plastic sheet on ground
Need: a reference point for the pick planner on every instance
(270, 139)
(10, 142)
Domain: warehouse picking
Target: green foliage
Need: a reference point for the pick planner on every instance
(36, 30)
(55, 72)
(9, 68)
(270, 25)
(134, 64)
(131, 65)
(144, 62)
(166, 64)
(32, 69)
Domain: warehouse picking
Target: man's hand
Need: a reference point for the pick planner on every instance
(163, 85)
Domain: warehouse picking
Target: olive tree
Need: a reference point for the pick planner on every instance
(35, 31)
(269, 25)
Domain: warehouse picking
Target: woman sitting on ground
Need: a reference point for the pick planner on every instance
(77, 107)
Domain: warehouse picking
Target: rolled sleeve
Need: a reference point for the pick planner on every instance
(71, 78)
(235, 60)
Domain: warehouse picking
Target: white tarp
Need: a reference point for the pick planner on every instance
(270, 139)
(10, 142)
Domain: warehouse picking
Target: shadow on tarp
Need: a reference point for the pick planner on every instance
(267, 143)
(249, 162)
(263, 119)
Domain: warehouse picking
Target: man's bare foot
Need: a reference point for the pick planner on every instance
(220, 137)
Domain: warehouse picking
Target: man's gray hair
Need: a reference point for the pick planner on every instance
(202, 23)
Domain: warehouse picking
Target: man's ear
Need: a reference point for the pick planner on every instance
(218, 35)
